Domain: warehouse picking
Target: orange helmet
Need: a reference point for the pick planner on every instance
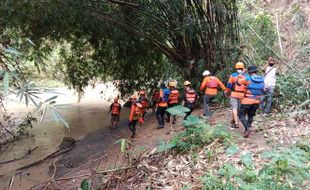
(239, 65)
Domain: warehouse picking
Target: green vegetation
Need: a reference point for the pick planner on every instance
(284, 169)
(133, 43)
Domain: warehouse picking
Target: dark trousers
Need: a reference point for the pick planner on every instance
(174, 118)
(207, 99)
(191, 106)
(250, 111)
(132, 127)
(160, 116)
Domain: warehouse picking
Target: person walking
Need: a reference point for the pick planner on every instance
(236, 87)
(155, 99)
(189, 98)
(210, 85)
(135, 115)
(144, 102)
(162, 105)
(173, 100)
(115, 110)
(250, 103)
(270, 74)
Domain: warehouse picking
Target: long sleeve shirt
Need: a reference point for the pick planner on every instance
(208, 90)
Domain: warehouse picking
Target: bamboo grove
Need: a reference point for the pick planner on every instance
(128, 41)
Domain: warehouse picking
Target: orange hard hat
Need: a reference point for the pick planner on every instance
(239, 65)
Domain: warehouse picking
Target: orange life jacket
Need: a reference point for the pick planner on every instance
(174, 96)
(213, 83)
(239, 84)
(135, 112)
(190, 96)
(116, 108)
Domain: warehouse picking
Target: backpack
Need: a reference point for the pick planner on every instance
(166, 95)
(213, 83)
(256, 86)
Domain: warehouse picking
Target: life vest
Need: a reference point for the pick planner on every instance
(137, 111)
(213, 83)
(239, 85)
(116, 108)
(190, 96)
(174, 96)
(255, 88)
(166, 94)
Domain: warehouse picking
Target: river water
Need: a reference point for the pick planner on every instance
(85, 117)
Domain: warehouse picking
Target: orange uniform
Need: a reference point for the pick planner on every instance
(236, 84)
(250, 94)
(135, 112)
(210, 84)
(174, 96)
(115, 108)
(164, 97)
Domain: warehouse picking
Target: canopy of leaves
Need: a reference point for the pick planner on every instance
(128, 41)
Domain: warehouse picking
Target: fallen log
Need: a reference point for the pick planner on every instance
(66, 145)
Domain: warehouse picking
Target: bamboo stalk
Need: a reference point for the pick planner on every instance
(279, 36)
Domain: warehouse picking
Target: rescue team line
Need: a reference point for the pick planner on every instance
(246, 90)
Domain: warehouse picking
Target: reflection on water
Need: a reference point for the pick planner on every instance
(90, 115)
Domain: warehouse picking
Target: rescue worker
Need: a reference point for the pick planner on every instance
(173, 100)
(162, 105)
(155, 99)
(190, 98)
(144, 102)
(135, 115)
(210, 85)
(115, 110)
(250, 103)
(271, 70)
(236, 87)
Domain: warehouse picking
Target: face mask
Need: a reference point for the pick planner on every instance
(239, 71)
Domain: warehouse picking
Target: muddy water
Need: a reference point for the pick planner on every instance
(86, 117)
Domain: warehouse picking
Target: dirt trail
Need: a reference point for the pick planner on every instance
(90, 153)
(98, 150)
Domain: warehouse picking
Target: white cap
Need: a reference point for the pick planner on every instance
(206, 73)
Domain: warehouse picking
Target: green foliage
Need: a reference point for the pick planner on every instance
(26, 125)
(246, 159)
(133, 43)
(286, 169)
(84, 185)
(292, 90)
(258, 34)
(178, 110)
(24, 90)
(196, 135)
(231, 150)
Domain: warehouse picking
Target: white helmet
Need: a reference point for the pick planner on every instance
(206, 73)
